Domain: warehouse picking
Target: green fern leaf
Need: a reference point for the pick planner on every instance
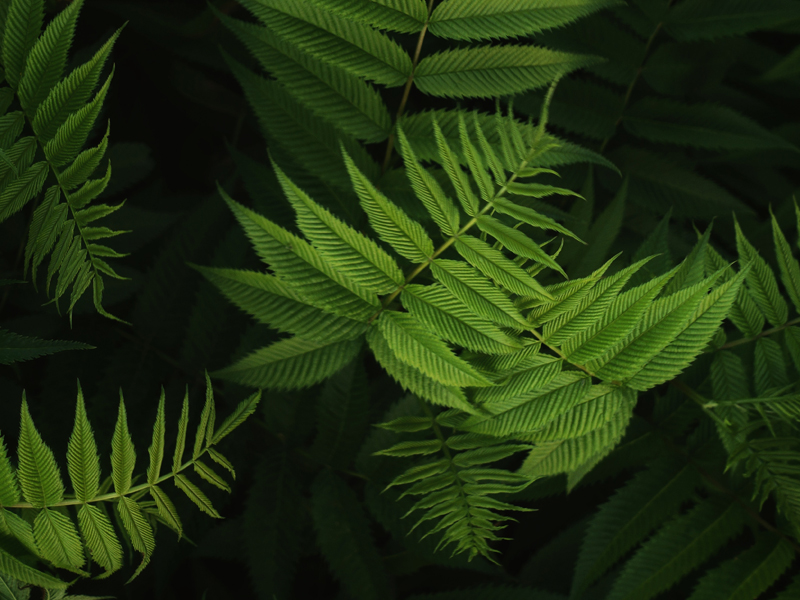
(388, 220)
(350, 252)
(678, 548)
(531, 411)
(19, 348)
(44, 65)
(457, 177)
(414, 344)
(530, 376)
(166, 509)
(664, 321)
(195, 495)
(712, 19)
(353, 46)
(330, 92)
(139, 531)
(100, 538)
(749, 574)
(451, 319)
(517, 242)
(404, 16)
(38, 473)
(789, 269)
(477, 292)
(292, 363)
(413, 379)
(22, 27)
(57, 540)
(180, 442)
(699, 126)
(497, 267)
(84, 165)
(22, 189)
(637, 508)
(243, 410)
(761, 281)
(744, 312)
(83, 463)
(205, 429)
(507, 18)
(489, 71)
(769, 369)
(9, 489)
(156, 450)
(270, 301)
(123, 454)
(301, 267)
(10, 565)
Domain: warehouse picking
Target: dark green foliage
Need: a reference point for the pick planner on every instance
(517, 281)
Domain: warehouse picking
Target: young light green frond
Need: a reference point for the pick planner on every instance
(531, 411)
(761, 281)
(347, 250)
(9, 489)
(678, 548)
(477, 292)
(44, 65)
(404, 16)
(195, 495)
(457, 177)
(591, 308)
(270, 301)
(414, 344)
(83, 464)
(531, 217)
(123, 454)
(22, 26)
(356, 47)
(446, 315)
(291, 363)
(636, 509)
(205, 428)
(100, 538)
(427, 189)
(180, 441)
(749, 574)
(413, 379)
(507, 18)
(528, 377)
(156, 450)
(330, 92)
(58, 540)
(517, 242)
(496, 266)
(662, 323)
(789, 269)
(37, 471)
(70, 137)
(388, 220)
(491, 71)
(139, 531)
(300, 266)
(475, 161)
(569, 295)
(691, 340)
(744, 313)
(243, 410)
(19, 348)
(712, 19)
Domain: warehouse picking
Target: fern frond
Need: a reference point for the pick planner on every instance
(404, 16)
(53, 536)
(356, 47)
(489, 71)
(507, 18)
(18, 348)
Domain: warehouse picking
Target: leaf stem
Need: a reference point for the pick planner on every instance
(764, 333)
(407, 90)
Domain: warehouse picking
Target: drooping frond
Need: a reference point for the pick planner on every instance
(61, 115)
